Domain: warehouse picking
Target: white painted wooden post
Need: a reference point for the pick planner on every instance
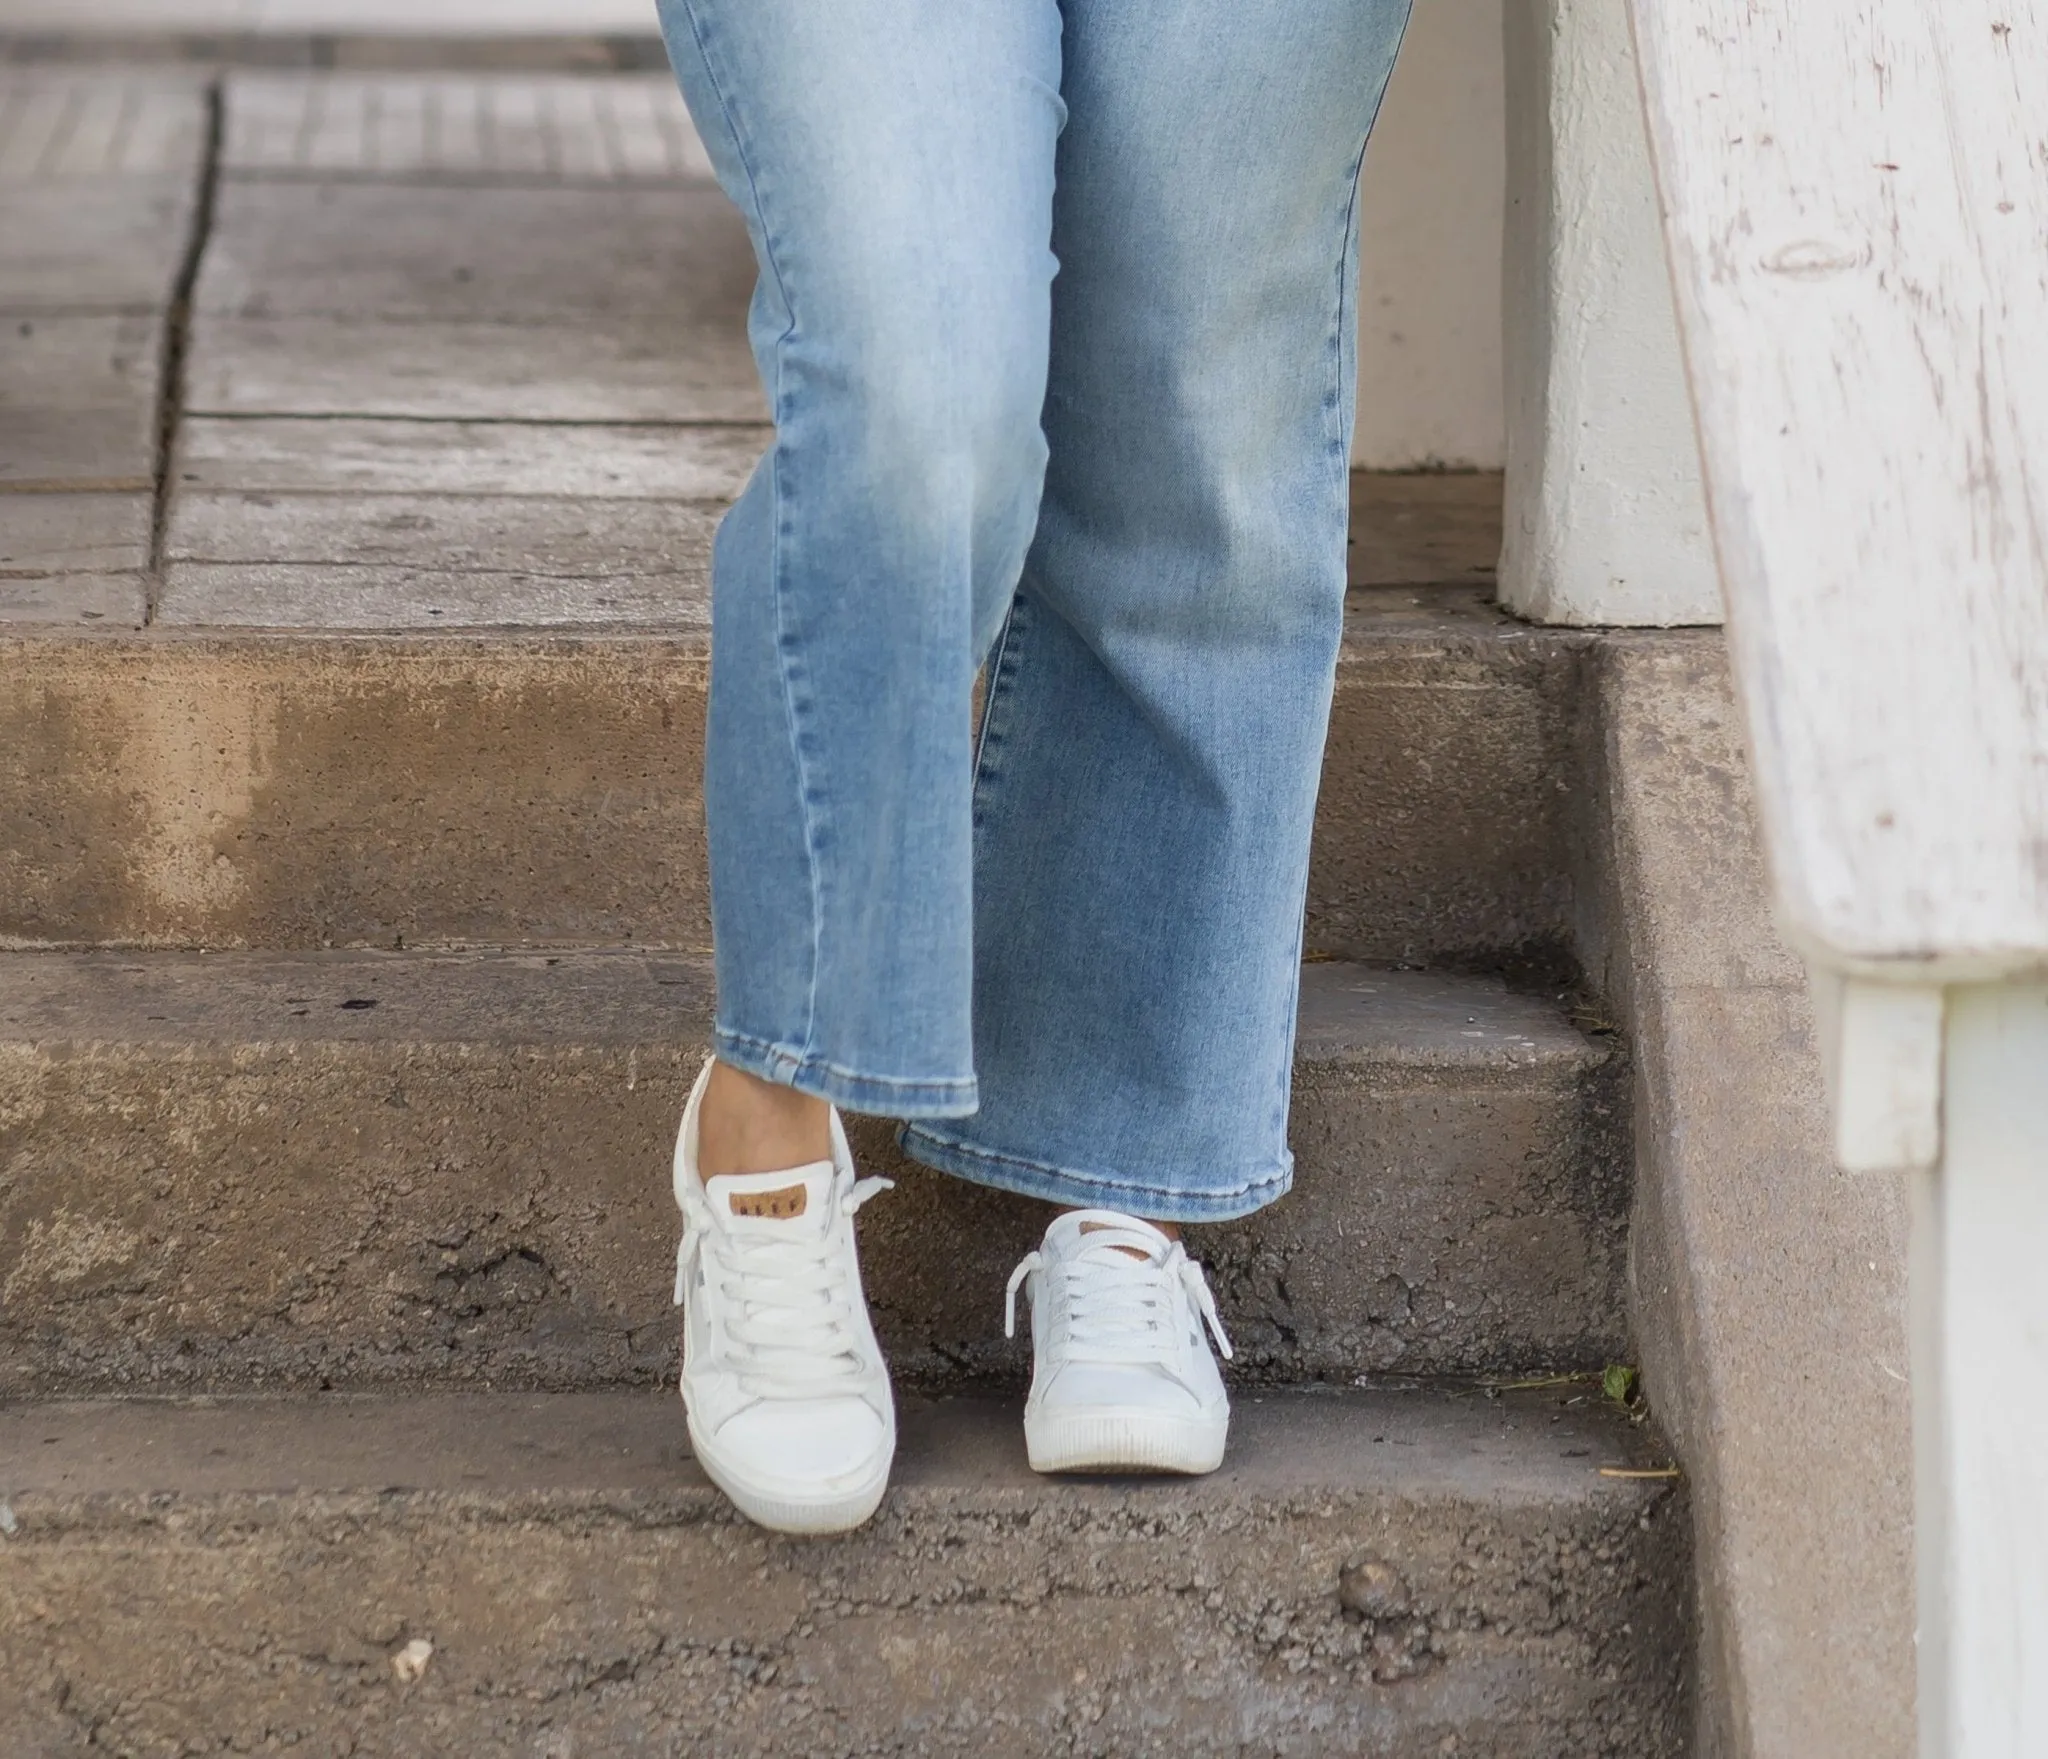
(1856, 198)
(1605, 519)
(1980, 1223)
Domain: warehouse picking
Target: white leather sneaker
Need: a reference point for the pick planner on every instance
(1122, 1378)
(788, 1396)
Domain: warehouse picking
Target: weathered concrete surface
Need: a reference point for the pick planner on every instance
(1425, 528)
(532, 304)
(633, 368)
(1448, 788)
(285, 523)
(73, 559)
(1386, 1574)
(1768, 1287)
(77, 600)
(236, 1169)
(1463, 1192)
(93, 246)
(52, 534)
(99, 194)
(281, 791)
(466, 53)
(279, 455)
(362, 561)
(462, 127)
(210, 792)
(78, 401)
(572, 257)
(72, 125)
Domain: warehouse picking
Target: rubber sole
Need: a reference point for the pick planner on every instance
(837, 1510)
(1124, 1441)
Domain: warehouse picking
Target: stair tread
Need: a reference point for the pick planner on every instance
(1413, 1443)
(241, 1175)
(618, 997)
(1425, 613)
(1371, 1572)
(1432, 1019)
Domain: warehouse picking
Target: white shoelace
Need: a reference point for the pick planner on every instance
(1120, 1308)
(790, 1315)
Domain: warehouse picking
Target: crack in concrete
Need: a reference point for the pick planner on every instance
(177, 337)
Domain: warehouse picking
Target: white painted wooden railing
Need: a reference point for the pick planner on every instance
(1855, 208)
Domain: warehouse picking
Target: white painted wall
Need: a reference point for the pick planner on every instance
(1429, 337)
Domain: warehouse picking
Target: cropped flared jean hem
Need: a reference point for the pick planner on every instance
(887, 1096)
(1029, 1178)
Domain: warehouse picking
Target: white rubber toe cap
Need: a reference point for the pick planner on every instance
(1125, 1386)
(808, 1446)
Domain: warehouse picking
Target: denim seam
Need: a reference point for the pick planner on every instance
(732, 122)
(791, 714)
(994, 1158)
(1002, 675)
(1347, 251)
(1334, 403)
(782, 1053)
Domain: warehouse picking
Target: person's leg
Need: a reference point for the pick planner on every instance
(1157, 707)
(1158, 700)
(894, 160)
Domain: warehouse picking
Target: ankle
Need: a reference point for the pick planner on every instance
(747, 1125)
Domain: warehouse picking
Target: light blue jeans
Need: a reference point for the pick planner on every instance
(1055, 316)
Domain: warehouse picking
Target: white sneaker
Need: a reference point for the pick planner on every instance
(1122, 1378)
(788, 1396)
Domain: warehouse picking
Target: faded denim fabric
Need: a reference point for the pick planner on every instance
(1055, 317)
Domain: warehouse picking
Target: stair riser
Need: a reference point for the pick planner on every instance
(284, 792)
(388, 1213)
(958, 1622)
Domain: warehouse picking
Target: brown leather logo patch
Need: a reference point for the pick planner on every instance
(778, 1206)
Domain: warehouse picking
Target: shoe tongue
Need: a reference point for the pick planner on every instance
(771, 1203)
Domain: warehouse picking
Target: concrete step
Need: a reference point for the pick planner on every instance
(468, 353)
(1373, 1573)
(294, 1169)
(260, 789)
(100, 177)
